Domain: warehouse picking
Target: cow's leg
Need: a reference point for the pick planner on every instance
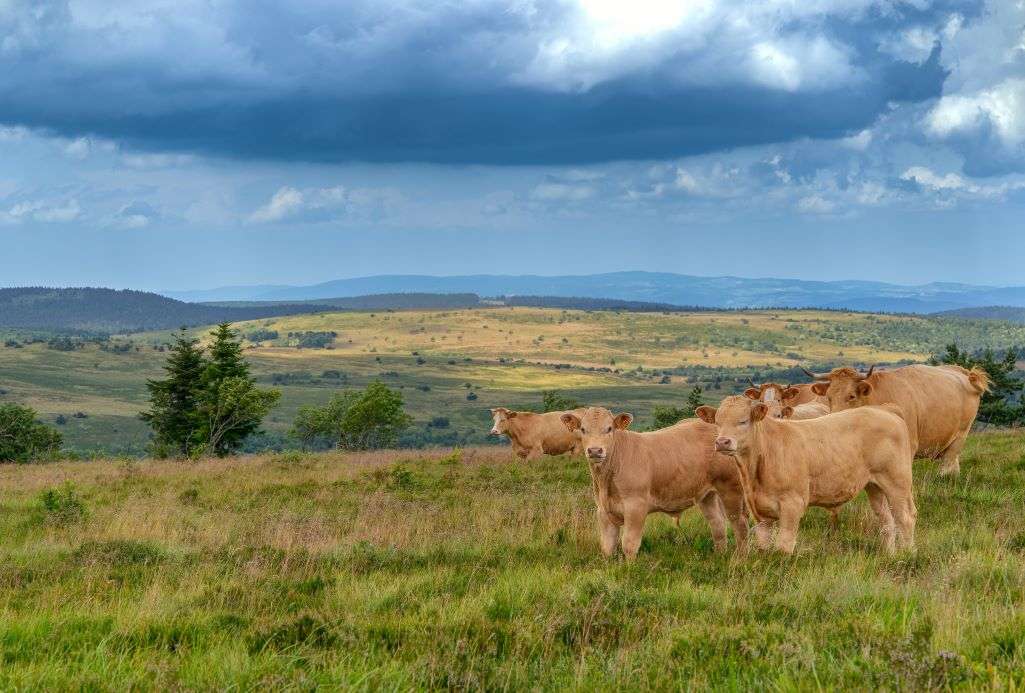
(790, 511)
(711, 508)
(900, 495)
(950, 459)
(763, 534)
(881, 507)
(834, 518)
(535, 453)
(733, 502)
(634, 515)
(608, 534)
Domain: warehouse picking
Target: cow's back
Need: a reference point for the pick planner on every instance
(938, 403)
(678, 459)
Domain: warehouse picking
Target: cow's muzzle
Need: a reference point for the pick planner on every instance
(725, 445)
(596, 453)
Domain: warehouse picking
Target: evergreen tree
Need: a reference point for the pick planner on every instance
(231, 407)
(23, 438)
(1002, 405)
(665, 416)
(174, 401)
(693, 401)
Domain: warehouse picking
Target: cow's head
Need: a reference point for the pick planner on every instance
(845, 388)
(772, 392)
(501, 416)
(736, 418)
(597, 429)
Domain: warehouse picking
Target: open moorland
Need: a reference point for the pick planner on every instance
(457, 364)
(472, 570)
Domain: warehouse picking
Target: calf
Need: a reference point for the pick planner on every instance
(669, 470)
(939, 403)
(533, 435)
(786, 466)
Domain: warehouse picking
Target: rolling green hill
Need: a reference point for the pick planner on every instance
(455, 364)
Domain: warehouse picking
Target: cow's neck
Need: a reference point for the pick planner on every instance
(604, 474)
(514, 426)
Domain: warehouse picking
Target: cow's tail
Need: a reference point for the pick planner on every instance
(979, 379)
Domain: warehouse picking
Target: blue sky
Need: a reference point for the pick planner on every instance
(197, 143)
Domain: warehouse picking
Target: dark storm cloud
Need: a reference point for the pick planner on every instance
(397, 81)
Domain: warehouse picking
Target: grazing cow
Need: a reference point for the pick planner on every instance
(939, 403)
(669, 470)
(786, 466)
(533, 435)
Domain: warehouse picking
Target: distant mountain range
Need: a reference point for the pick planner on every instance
(653, 287)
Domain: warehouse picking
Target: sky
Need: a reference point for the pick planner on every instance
(188, 144)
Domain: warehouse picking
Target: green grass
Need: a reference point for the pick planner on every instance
(472, 570)
(507, 355)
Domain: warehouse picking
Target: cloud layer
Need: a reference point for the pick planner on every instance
(489, 81)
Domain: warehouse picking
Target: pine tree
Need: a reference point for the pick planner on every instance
(231, 406)
(1002, 405)
(693, 401)
(174, 401)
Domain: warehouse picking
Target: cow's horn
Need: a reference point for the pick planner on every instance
(869, 372)
(751, 381)
(815, 376)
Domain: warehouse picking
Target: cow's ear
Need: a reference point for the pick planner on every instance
(820, 388)
(752, 393)
(706, 413)
(623, 421)
(570, 421)
(758, 411)
(787, 412)
(790, 393)
(864, 389)
(509, 414)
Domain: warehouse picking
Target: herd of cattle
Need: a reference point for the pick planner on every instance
(768, 454)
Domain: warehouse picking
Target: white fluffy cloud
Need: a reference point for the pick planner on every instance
(1000, 110)
(290, 204)
(45, 211)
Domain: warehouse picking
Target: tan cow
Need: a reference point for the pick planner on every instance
(782, 402)
(792, 395)
(939, 403)
(669, 470)
(787, 466)
(533, 435)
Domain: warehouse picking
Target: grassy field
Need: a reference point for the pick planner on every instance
(502, 356)
(470, 570)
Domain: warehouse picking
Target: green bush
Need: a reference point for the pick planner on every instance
(62, 505)
(23, 438)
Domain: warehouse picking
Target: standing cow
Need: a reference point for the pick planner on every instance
(939, 403)
(669, 470)
(786, 466)
(533, 435)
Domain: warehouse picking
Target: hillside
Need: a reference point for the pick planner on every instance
(111, 311)
(455, 364)
(468, 570)
(1008, 313)
(654, 287)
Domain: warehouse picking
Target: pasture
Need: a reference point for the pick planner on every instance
(468, 569)
(459, 363)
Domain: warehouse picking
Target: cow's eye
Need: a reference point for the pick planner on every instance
(851, 398)
(609, 429)
(582, 430)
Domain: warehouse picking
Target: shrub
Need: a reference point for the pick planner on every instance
(62, 505)
(23, 438)
(553, 401)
